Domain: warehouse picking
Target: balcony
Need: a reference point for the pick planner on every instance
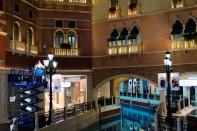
(184, 45)
(177, 3)
(33, 49)
(22, 47)
(68, 52)
(124, 49)
(114, 14)
(178, 43)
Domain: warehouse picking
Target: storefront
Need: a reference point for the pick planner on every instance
(67, 90)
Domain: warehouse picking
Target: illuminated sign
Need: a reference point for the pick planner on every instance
(188, 82)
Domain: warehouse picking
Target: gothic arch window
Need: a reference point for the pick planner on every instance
(177, 28)
(177, 35)
(190, 27)
(16, 32)
(113, 38)
(123, 36)
(190, 34)
(30, 36)
(134, 35)
(71, 39)
(59, 38)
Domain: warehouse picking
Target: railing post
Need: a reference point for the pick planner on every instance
(36, 122)
(112, 101)
(104, 102)
(183, 103)
(91, 105)
(154, 97)
(75, 108)
(53, 117)
(84, 107)
(65, 112)
(148, 95)
(179, 107)
(96, 102)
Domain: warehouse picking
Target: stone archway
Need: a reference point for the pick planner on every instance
(119, 78)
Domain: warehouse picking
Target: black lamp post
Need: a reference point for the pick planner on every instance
(168, 65)
(50, 65)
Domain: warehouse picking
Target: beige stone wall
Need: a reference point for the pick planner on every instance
(101, 7)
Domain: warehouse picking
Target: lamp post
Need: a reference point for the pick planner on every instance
(168, 66)
(50, 65)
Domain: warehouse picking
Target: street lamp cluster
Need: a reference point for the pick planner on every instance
(168, 66)
(50, 66)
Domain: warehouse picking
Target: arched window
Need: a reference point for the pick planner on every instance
(30, 39)
(190, 27)
(190, 34)
(59, 38)
(134, 35)
(123, 36)
(16, 32)
(113, 37)
(71, 38)
(177, 28)
(177, 36)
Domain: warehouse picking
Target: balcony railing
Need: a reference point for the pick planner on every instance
(69, 1)
(184, 45)
(33, 49)
(68, 52)
(124, 49)
(177, 3)
(22, 47)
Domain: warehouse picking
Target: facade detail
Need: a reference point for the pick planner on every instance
(126, 43)
(177, 3)
(184, 37)
(114, 10)
(134, 7)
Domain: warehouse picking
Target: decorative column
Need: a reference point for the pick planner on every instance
(163, 101)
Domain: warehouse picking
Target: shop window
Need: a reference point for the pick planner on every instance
(59, 38)
(133, 7)
(71, 24)
(59, 23)
(16, 7)
(113, 11)
(177, 3)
